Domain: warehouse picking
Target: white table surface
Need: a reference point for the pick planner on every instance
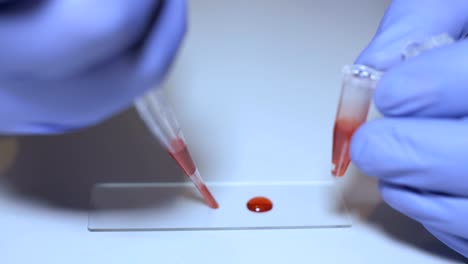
(255, 88)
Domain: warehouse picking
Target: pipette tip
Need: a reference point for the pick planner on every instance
(204, 191)
(339, 170)
(208, 197)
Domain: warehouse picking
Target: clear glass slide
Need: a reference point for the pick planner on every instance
(177, 206)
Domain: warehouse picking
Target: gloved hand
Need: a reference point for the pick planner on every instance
(419, 149)
(70, 64)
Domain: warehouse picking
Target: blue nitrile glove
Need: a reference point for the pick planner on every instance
(70, 64)
(419, 150)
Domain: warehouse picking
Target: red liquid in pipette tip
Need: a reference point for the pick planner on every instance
(342, 134)
(208, 197)
(182, 156)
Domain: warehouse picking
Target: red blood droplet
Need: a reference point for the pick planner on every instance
(259, 204)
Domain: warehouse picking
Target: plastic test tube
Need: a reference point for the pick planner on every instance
(156, 112)
(358, 85)
(357, 88)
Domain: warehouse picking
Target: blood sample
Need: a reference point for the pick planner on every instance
(342, 134)
(259, 204)
(356, 93)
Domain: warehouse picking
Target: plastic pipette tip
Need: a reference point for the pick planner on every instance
(339, 170)
(208, 197)
(182, 156)
(206, 194)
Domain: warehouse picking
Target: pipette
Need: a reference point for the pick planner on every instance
(357, 90)
(156, 112)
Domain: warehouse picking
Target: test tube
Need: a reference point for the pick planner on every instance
(357, 88)
(158, 116)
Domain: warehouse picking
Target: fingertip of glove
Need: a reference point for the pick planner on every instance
(403, 91)
(372, 147)
(362, 145)
(381, 53)
(358, 145)
(371, 58)
(387, 95)
(397, 93)
(386, 192)
(392, 196)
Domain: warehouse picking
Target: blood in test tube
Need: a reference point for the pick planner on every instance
(182, 156)
(342, 134)
(358, 84)
(259, 204)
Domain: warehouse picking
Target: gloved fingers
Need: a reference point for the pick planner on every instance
(434, 84)
(33, 104)
(57, 38)
(424, 154)
(440, 212)
(455, 242)
(413, 21)
(46, 106)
